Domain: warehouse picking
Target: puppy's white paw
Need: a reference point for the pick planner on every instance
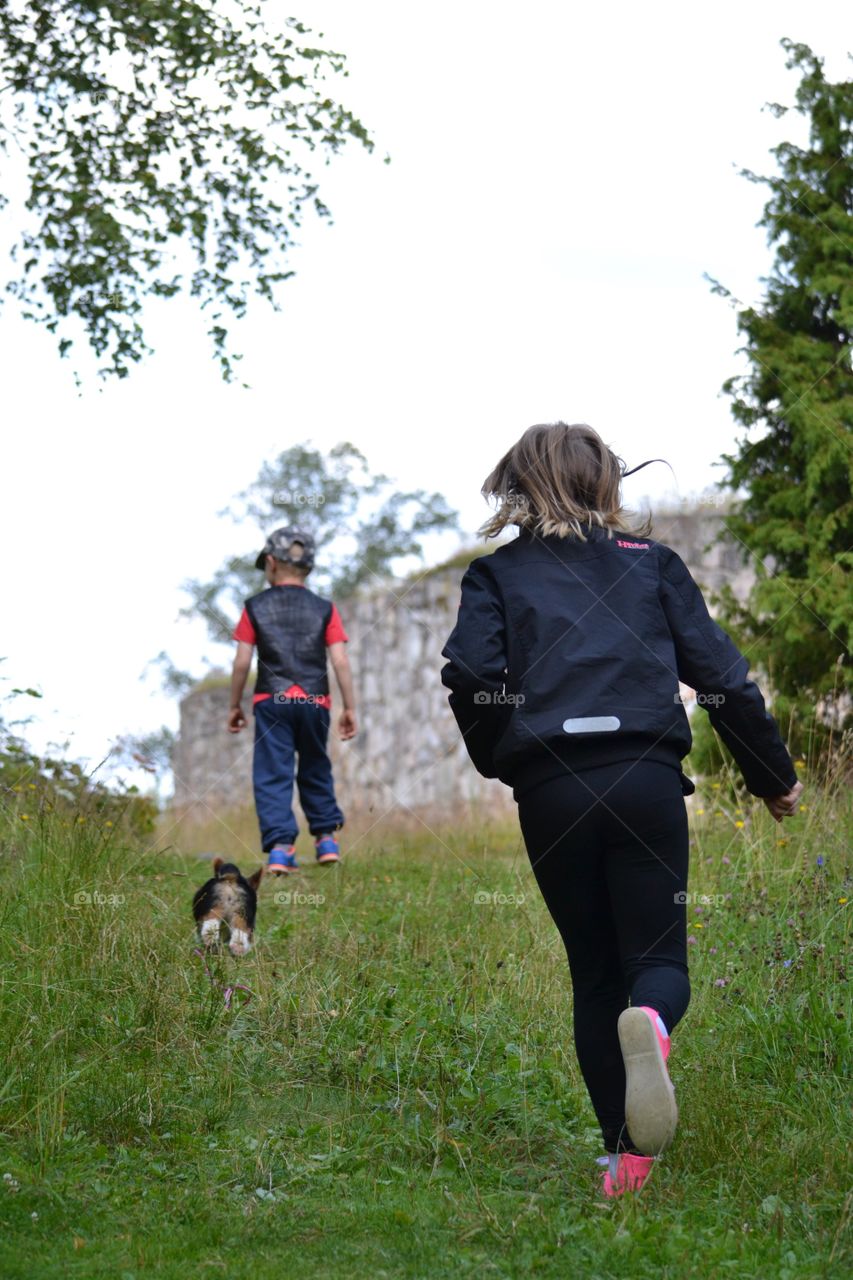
(240, 942)
(210, 933)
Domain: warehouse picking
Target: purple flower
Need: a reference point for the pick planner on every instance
(712, 951)
(719, 982)
(786, 963)
(819, 861)
(691, 939)
(727, 862)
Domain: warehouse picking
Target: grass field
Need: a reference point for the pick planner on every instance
(396, 1095)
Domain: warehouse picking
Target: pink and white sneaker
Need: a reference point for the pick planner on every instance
(650, 1110)
(625, 1172)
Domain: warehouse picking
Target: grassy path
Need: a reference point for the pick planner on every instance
(396, 1094)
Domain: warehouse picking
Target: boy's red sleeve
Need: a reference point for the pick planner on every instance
(334, 628)
(244, 630)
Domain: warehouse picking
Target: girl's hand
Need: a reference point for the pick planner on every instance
(347, 727)
(784, 806)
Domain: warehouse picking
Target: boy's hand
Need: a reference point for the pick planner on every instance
(784, 806)
(236, 720)
(347, 727)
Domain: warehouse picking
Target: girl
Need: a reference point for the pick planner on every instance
(563, 669)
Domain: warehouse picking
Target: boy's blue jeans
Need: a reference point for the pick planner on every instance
(284, 731)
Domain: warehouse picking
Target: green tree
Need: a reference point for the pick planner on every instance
(161, 143)
(33, 784)
(793, 467)
(361, 522)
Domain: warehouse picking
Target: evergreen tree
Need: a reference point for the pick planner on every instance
(793, 467)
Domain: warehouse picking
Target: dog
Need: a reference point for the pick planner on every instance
(229, 899)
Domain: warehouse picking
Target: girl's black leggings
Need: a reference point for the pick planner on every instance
(608, 847)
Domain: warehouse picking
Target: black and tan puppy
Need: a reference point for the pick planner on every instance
(229, 899)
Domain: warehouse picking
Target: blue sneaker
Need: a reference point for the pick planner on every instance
(282, 860)
(328, 849)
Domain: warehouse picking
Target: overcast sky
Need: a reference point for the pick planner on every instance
(561, 177)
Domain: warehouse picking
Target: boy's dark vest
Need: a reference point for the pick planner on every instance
(290, 633)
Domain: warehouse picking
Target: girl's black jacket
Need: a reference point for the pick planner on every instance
(568, 654)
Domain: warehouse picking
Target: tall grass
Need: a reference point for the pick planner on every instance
(395, 1091)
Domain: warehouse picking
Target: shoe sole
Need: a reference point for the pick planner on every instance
(650, 1109)
(328, 857)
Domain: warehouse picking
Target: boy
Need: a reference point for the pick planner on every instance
(292, 628)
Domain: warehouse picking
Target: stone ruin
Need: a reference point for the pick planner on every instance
(408, 756)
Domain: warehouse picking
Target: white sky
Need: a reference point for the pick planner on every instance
(561, 177)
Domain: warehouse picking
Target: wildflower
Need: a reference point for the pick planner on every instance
(691, 940)
(842, 901)
(802, 808)
(720, 982)
(81, 819)
(738, 823)
(32, 786)
(787, 964)
(25, 817)
(819, 860)
(34, 1216)
(697, 924)
(108, 823)
(715, 785)
(712, 951)
(779, 843)
(727, 862)
(699, 812)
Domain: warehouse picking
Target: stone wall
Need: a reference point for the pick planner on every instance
(408, 755)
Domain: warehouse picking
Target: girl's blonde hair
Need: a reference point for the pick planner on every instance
(556, 479)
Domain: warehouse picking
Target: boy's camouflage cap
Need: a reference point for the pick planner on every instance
(279, 542)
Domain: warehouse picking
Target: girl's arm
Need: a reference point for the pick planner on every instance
(476, 667)
(710, 662)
